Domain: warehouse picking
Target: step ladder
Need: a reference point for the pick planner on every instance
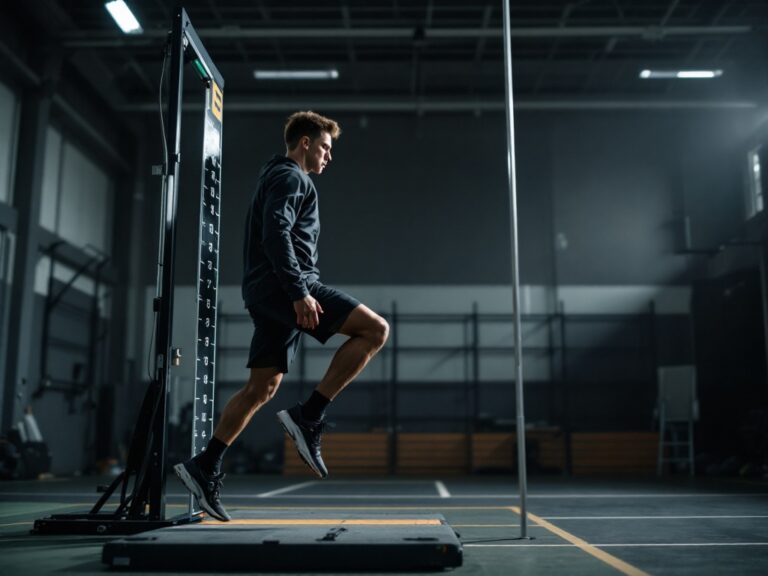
(677, 409)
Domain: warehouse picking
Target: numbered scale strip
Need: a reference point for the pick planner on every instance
(208, 276)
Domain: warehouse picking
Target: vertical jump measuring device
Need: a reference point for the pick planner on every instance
(511, 169)
(142, 502)
(186, 46)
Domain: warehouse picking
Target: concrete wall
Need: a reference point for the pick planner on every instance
(411, 200)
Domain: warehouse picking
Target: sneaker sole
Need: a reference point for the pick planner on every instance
(298, 439)
(192, 486)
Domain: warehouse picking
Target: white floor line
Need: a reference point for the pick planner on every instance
(384, 482)
(639, 545)
(682, 544)
(442, 490)
(486, 496)
(513, 497)
(651, 495)
(652, 517)
(290, 488)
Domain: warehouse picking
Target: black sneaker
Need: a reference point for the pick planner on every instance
(204, 487)
(306, 436)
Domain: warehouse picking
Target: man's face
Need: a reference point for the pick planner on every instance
(319, 153)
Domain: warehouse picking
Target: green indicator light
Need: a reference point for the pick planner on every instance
(200, 69)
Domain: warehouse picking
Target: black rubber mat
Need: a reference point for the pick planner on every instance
(294, 541)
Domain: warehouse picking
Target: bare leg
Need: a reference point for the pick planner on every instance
(368, 332)
(261, 387)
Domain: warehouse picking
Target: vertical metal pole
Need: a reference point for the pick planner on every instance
(392, 395)
(47, 311)
(164, 329)
(763, 256)
(566, 420)
(522, 473)
(466, 326)
(33, 125)
(91, 379)
(475, 374)
(653, 361)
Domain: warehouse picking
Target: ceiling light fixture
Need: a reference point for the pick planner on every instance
(673, 74)
(332, 74)
(124, 17)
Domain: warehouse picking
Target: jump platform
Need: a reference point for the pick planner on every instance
(295, 540)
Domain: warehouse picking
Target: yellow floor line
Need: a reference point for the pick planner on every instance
(236, 507)
(438, 508)
(601, 555)
(489, 526)
(328, 522)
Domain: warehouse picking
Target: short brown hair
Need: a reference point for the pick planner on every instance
(300, 124)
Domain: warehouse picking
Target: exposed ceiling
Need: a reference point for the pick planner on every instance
(430, 54)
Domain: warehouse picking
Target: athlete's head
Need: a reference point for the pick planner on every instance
(308, 139)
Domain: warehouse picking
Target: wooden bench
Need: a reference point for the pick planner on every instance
(614, 453)
(432, 454)
(497, 451)
(368, 454)
(345, 454)
(443, 454)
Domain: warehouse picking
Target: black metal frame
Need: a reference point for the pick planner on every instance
(144, 507)
(74, 387)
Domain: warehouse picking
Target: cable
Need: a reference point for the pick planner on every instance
(160, 102)
(141, 474)
(149, 354)
(151, 369)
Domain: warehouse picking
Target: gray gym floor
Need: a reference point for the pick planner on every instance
(579, 526)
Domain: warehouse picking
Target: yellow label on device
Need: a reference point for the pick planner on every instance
(217, 101)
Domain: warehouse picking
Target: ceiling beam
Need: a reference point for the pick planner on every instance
(420, 105)
(348, 26)
(94, 39)
(668, 13)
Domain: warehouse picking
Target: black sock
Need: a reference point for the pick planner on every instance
(210, 459)
(314, 409)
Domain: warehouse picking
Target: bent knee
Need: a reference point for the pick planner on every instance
(378, 332)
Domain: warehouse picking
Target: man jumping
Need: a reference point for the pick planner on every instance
(284, 296)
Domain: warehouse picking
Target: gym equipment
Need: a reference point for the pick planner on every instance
(307, 541)
(144, 507)
(252, 540)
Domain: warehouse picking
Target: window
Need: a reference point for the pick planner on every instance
(77, 195)
(49, 203)
(756, 197)
(85, 205)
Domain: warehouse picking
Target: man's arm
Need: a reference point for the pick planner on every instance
(283, 200)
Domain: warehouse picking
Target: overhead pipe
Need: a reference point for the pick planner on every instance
(95, 39)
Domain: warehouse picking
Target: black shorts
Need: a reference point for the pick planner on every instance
(276, 335)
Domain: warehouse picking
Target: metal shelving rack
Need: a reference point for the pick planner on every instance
(557, 348)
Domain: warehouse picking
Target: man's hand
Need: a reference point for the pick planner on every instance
(308, 312)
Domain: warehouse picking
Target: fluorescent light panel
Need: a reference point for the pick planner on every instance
(124, 17)
(673, 74)
(296, 74)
